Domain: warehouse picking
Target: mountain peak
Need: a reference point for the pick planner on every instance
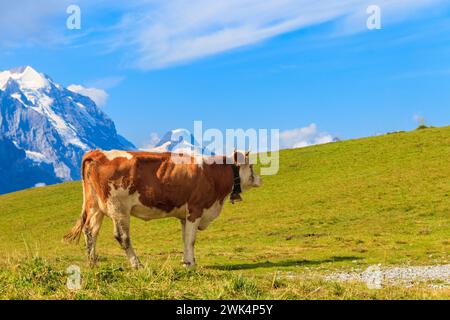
(56, 126)
(21, 69)
(176, 136)
(180, 140)
(26, 76)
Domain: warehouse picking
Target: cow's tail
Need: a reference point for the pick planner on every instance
(73, 236)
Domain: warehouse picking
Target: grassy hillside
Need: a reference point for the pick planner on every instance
(380, 200)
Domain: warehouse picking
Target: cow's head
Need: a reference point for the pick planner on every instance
(246, 172)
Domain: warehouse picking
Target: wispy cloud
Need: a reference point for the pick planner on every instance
(106, 82)
(181, 31)
(303, 137)
(99, 96)
(175, 32)
(96, 89)
(159, 33)
(28, 22)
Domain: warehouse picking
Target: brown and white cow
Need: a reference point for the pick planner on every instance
(121, 184)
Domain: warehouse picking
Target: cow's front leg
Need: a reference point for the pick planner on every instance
(122, 235)
(189, 234)
(183, 228)
(183, 233)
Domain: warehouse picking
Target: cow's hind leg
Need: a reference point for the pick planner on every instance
(122, 235)
(90, 231)
(190, 233)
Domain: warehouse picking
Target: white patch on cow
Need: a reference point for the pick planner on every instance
(210, 214)
(120, 201)
(113, 154)
(146, 213)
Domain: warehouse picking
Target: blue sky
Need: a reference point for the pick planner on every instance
(243, 64)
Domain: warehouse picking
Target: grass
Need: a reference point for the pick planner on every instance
(379, 200)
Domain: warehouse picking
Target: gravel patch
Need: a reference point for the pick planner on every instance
(376, 276)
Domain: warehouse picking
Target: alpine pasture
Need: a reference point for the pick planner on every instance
(335, 207)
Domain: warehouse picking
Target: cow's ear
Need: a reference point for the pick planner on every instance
(239, 157)
(247, 157)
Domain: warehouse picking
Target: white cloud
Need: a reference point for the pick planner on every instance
(99, 96)
(303, 137)
(39, 185)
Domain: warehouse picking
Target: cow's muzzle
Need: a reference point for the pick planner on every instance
(256, 181)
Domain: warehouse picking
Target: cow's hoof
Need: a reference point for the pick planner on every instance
(137, 266)
(235, 197)
(189, 265)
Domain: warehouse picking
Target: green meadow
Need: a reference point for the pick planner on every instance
(335, 207)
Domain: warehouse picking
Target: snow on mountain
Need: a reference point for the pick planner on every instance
(181, 141)
(26, 77)
(52, 124)
(36, 156)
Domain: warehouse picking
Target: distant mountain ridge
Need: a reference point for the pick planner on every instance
(182, 141)
(51, 125)
(19, 172)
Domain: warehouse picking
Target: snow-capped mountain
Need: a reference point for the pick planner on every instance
(18, 172)
(182, 141)
(52, 125)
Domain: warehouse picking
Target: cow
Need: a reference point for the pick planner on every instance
(147, 185)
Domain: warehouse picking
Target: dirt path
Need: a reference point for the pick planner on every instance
(376, 276)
